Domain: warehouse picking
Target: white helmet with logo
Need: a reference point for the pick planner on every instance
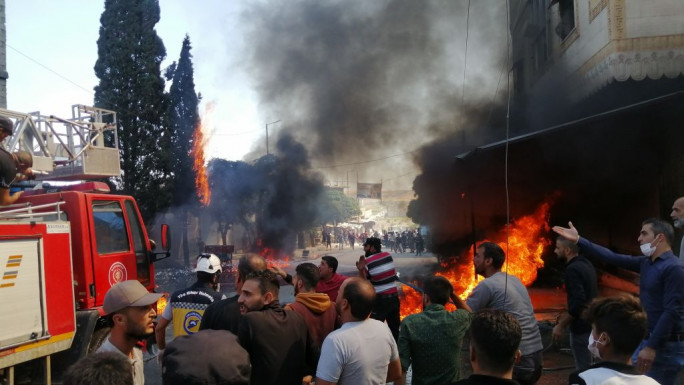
(208, 263)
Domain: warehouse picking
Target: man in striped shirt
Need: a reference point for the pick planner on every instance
(378, 267)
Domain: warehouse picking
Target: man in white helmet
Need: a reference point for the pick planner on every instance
(187, 306)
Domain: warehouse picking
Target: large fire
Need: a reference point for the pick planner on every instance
(199, 165)
(526, 243)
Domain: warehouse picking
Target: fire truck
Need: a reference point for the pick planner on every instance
(62, 247)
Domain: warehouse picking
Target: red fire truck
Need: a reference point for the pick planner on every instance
(62, 248)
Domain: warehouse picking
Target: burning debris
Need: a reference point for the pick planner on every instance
(524, 243)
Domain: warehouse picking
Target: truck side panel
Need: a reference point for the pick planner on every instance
(40, 319)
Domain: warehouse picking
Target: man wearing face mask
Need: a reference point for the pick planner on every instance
(618, 326)
(661, 282)
(677, 216)
(581, 287)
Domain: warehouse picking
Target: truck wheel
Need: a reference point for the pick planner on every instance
(98, 339)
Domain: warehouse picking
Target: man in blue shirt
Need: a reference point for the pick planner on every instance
(661, 284)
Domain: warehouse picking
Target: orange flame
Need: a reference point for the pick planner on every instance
(198, 143)
(273, 260)
(523, 257)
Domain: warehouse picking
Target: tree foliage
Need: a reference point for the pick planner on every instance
(128, 66)
(337, 207)
(183, 119)
(234, 193)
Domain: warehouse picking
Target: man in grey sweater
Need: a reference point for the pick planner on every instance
(502, 291)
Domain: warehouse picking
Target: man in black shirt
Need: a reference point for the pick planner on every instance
(225, 314)
(581, 289)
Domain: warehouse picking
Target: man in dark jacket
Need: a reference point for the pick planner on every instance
(225, 314)
(278, 341)
(581, 288)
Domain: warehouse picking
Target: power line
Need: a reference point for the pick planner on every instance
(49, 69)
(465, 58)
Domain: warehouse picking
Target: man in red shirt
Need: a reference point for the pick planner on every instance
(330, 281)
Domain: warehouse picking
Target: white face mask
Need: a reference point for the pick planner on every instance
(593, 345)
(647, 249)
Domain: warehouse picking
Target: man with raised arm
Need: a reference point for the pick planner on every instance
(661, 284)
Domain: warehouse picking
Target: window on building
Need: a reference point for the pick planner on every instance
(566, 9)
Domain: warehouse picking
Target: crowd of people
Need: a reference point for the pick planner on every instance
(346, 330)
(407, 241)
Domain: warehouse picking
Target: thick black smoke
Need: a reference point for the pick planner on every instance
(289, 196)
(361, 80)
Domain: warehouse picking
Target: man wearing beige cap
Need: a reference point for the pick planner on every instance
(130, 309)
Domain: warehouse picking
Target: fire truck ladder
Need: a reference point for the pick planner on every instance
(68, 149)
(26, 211)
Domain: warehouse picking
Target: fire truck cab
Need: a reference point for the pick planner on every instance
(63, 247)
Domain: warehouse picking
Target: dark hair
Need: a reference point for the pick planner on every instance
(493, 251)
(361, 297)
(375, 243)
(495, 335)
(438, 289)
(268, 281)
(250, 263)
(622, 318)
(659, 226)
(100, 368)
(308, 273)
(331, 261)
(6, 125)
(204, 277)
(569, 244)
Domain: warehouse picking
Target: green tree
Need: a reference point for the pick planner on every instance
(183, 120)
(128, 66)
(337, 207)
(235, 190)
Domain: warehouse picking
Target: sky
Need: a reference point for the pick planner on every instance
(52, 49)
(331, 72)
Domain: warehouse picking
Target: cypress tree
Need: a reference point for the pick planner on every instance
(128, 66)
(183, 119)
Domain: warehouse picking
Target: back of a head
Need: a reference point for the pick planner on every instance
(250, 263)
(375, 243)
(268, 281)
(24, 158)
(6, 125)
(331, 261)
(660, 226)
(206, 357)
(495, 336)
(495, 252)
(308, 273)
(100, 368)
(622, 318)
(361, 296)
(438, 289)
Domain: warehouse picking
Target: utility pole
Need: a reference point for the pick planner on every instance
(267, 124)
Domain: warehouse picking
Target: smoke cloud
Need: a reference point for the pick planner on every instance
(356, 81)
